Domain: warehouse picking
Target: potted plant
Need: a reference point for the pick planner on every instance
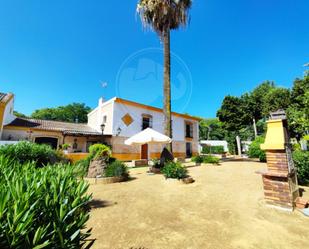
(198, 160)
(155, 166)
(65, 148)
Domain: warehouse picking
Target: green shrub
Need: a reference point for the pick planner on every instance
(24, 152)
(174, 170)
(96, 151)
(213, 149)
(42, 207)
(301, 160)
(211, 159)
(99, 151)
(206, 159)
(255, 149)
(117, 168)
(262, 157)
(197, 159)
(111, 160)
(296, 146)
(65, 146)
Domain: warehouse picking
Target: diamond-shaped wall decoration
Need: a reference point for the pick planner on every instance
(127, 119)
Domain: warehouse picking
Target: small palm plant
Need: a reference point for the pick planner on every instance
(163, 16)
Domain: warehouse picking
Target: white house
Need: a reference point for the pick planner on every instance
(124, 118)
(111, 122)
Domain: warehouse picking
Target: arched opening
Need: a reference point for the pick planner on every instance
(51, 141)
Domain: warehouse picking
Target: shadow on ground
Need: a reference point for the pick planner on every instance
(97, 203)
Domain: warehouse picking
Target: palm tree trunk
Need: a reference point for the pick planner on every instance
(167, 110)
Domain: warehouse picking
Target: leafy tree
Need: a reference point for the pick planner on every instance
(275, 99)
(261, 127)
(234, 118)
(257, 98)
(232, 114)
(211, 129)
(163, 16)
(76, 112)
(298, 112)
(20, 115)
(246, 133)
(300, 87)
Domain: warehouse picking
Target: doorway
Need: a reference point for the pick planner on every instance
(51, 141)
(188, 150)
(144, 151)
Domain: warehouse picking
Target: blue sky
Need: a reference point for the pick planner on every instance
(56, 52)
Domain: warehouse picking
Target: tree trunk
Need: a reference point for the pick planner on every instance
(238, 145)
(254, 127)
(167, 110)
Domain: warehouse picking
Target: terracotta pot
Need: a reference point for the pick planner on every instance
(155, 170)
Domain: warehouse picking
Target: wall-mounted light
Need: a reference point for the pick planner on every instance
(118, 131)
(102, 128)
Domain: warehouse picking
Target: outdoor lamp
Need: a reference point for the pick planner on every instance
(102, 128)
(118, 131)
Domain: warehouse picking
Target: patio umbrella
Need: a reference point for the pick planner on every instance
(148, 136)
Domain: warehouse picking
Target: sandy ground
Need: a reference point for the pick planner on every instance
(223, 209)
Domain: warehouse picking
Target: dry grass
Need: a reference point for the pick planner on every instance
(222, 209)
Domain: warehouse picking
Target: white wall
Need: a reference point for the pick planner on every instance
(19, 135)
(7, 142)
(136, 113)
(8, 112)
(8, 115)
(95, 118)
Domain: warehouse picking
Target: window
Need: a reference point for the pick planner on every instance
(147, 122)
(104, 119)
(189, 130)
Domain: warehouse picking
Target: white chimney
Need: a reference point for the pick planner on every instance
(101, 101)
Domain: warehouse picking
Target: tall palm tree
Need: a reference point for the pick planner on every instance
(163, 16)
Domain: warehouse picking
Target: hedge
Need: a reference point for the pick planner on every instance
(301, 161)
(24, 152)
(255, 149)
(213, 149)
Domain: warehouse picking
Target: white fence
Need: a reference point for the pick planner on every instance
(7, 142)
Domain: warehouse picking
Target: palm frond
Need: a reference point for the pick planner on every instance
(164, 15)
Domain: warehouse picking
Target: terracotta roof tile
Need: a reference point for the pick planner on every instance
(64, 127)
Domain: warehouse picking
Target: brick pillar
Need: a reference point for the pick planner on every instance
(280, 179)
